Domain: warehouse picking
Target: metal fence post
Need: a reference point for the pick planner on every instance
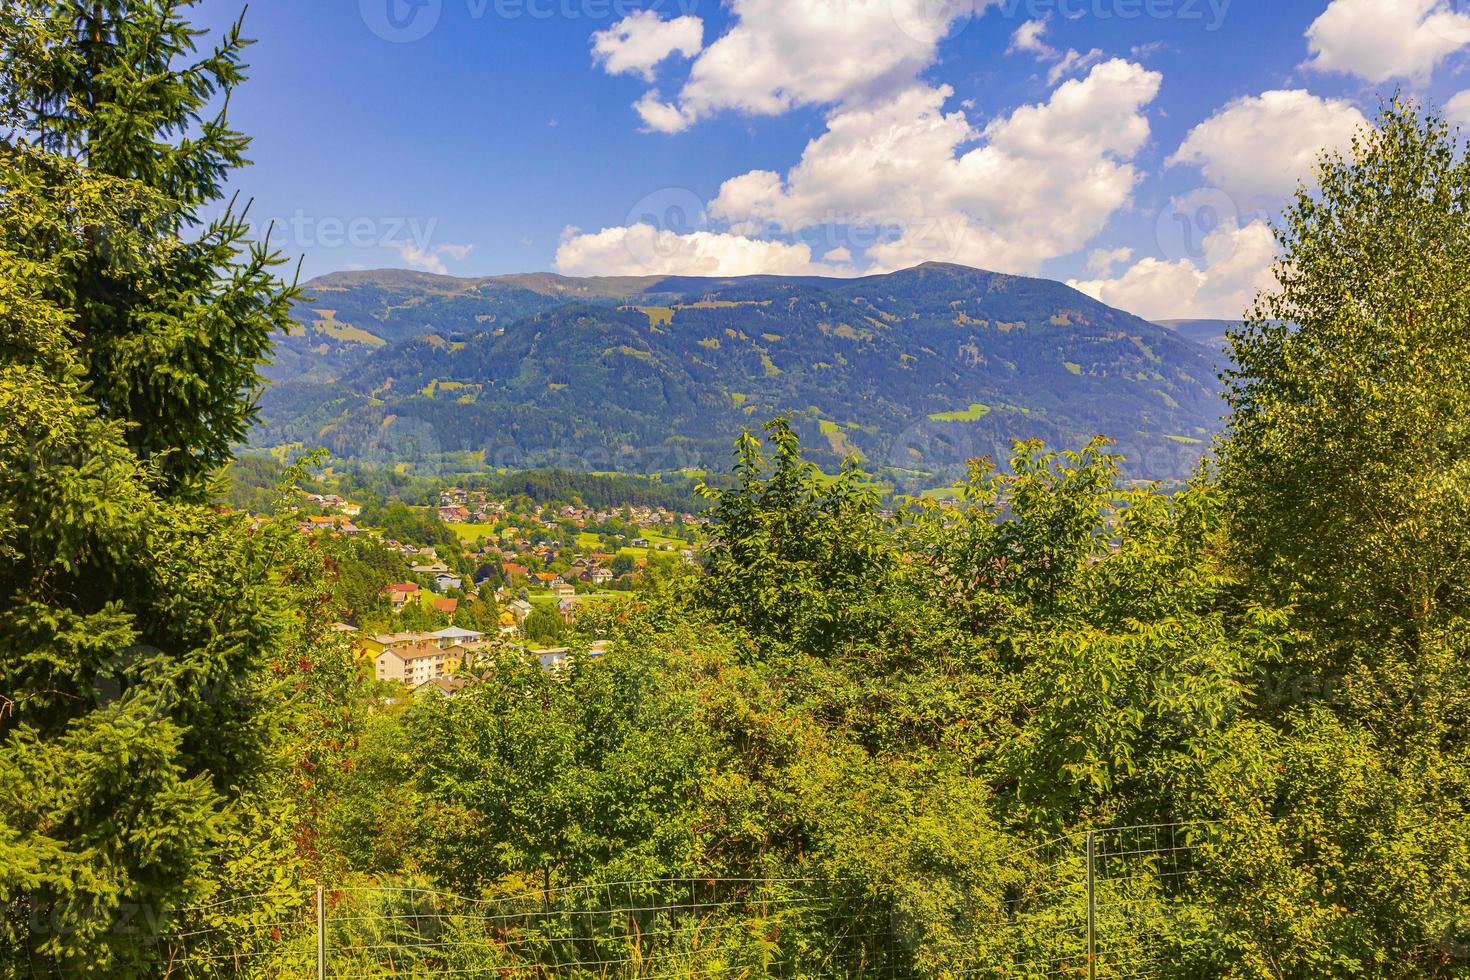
(1091, 911)
(321, 933)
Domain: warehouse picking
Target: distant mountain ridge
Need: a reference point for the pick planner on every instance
(914, 371)
(1208, 333)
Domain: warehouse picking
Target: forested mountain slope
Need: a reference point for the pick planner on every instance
(914, 372)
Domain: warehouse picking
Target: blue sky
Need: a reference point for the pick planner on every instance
(1134, 147)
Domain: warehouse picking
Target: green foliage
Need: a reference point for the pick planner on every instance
(411, 525)
(251, 484)
(596, 490)
(137, 625)
(364, 568)
(1347, 475)
(133, 628)
(545, 625)
(1348, 458)
(795, 553)
(169, 329)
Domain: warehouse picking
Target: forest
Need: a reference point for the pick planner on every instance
(877, 367)
(1064, 724)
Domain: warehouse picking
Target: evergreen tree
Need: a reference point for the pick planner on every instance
(169, 338)
(135, 621)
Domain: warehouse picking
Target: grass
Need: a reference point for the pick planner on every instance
(654, 540)
(469, 532)
(1074, 368)
(837, 439)
(1185, 440)
(657, 314)
(332, 327)
(553, 600)
(587, 541)
(974, 413)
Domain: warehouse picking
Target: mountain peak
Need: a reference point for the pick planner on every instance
(914, 371)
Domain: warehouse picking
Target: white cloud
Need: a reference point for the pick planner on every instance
(781, 54)
(1028, 187)
(1258, 148)
(1028, 39)
(1041, 182)
(637, 44)
(927, 183)
(1382, 39)
(1236, 265)
(431, 259)
(1072, 62)
(1100, 261)
(642, 249)
(1457, 110)
(660, 116)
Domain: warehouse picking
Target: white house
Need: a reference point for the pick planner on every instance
(451, 636)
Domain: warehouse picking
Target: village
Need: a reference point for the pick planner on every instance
(477, 573)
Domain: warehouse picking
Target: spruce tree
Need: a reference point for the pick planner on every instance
(136, 621)
(170, 342)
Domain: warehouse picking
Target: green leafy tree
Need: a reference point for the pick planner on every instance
(545, 625)
(795, 554)
(1347, 479)
(1347, 459)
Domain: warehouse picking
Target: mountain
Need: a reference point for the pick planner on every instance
(914, 371)
(349, 315)
(1207, 333)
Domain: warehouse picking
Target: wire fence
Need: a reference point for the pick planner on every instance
(1101, 904)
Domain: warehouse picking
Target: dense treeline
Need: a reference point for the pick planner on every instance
(597, 490)
(893, 708)
(251, 483)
